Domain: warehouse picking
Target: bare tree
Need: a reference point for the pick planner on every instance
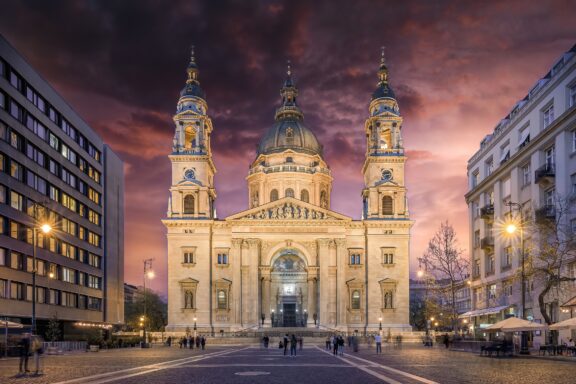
(446, 267)
(552, 249)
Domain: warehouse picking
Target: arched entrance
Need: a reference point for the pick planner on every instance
(288, 276)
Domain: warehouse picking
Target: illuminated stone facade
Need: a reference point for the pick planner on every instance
(289, 260)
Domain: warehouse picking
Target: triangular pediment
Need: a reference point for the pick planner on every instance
(288, 208)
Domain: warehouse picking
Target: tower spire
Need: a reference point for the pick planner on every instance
(192, 68)
(289, 92)
(383, 70)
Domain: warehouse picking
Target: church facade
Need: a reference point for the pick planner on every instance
(288, 260)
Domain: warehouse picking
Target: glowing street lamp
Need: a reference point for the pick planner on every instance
(148, 272)
(513, 229)
(46, 228)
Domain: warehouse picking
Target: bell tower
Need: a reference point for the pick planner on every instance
(192, 193)
(384, 194)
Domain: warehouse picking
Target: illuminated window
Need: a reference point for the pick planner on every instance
(356, 299)
(222, 300)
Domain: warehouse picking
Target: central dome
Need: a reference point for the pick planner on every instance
(289, 131)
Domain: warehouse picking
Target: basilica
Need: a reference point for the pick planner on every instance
(287, 260)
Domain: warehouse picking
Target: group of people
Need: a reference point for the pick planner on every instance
(190, 341)
(30, 345)
(293, 341)
(335, 343)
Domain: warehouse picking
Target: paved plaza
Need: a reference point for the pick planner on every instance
(251, 364)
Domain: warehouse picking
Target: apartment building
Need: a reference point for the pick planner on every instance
(54, 169)
(525, 168)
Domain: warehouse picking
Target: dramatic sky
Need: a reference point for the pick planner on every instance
(457, 68)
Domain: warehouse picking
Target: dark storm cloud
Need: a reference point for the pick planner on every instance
(456, 67)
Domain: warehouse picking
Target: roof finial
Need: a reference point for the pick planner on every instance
(289, 68)
(383, 57)
(192, 58)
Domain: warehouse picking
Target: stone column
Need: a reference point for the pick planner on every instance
(235, 257)
(312, 295)
(252, 276)
(324, 281)
(265, 299)
(341, 296)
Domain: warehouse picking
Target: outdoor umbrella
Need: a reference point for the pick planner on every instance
(514, 324)
(8, 324)
(566, 324)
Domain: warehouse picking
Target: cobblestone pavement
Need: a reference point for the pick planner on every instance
(241, 364)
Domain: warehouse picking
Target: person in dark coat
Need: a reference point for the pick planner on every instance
(285, 344)
(446, 340)
(24, 349)
(335, 346)
(293, 345)
(203, 342)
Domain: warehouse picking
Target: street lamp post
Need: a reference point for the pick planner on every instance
(148, 272)
(46, 228)
(511, 228)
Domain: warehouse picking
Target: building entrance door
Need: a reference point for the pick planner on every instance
(289, 311)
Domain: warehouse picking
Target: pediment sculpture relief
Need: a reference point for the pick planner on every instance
(288, 211)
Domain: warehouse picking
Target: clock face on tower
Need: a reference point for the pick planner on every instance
(386, 175)
(190, 174)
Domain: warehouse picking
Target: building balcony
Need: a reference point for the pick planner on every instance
(547, 212)
(487, 212)
(487, 243)
(545, 174)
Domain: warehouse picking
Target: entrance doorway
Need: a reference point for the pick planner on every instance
(289, 311)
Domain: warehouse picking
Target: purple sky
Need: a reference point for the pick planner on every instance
(457, 68)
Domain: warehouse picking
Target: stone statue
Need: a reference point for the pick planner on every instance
(188, 299)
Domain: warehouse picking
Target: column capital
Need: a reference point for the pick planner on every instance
(253, 242)
(237, 243)
(340, 243)
(324, 242)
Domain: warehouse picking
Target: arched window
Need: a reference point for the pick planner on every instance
(222, 300)
(387, 205)
(274, 195)
(189, 204)
(289, 192)
(304, 196)
(189, 137)
(356, 299)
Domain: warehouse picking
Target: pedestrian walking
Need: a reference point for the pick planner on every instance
(197, 342)
(378, 340)
(24, 349)
(300, 342)
(341, 345)
(293, 345)
(203, 343)
(37, 350)
(327, 343)
(190, 342)
(335, 345)
(446, 340)
(169, 341)
(285, 344)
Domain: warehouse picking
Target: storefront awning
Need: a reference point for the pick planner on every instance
(570, 303)
(485, 311)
